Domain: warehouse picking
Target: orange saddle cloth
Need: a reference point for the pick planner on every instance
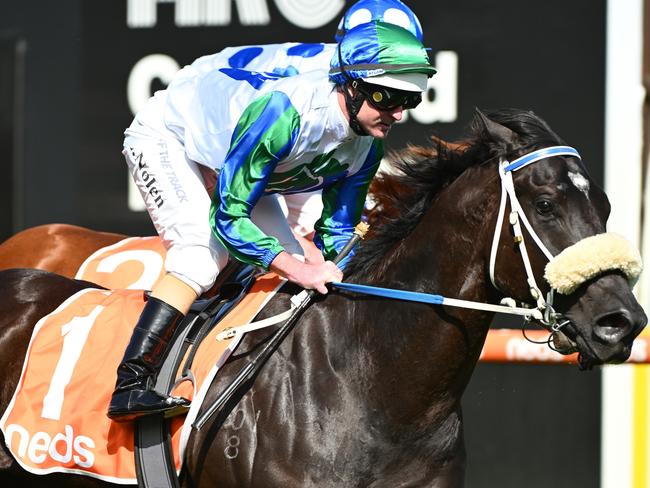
(56, 420)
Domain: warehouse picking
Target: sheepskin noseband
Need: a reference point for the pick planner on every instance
(589, 258)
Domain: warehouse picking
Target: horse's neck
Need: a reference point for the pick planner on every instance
(423, 355)
(447, 252)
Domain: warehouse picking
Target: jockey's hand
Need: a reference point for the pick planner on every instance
(310, 276)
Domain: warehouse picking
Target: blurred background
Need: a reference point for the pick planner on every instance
(73, 72)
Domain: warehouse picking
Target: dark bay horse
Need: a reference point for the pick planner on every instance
(366, 392)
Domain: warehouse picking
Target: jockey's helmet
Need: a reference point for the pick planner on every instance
(381, 54)
(382, 63)
(389, 11)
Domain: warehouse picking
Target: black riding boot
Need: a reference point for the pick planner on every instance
(134, 395)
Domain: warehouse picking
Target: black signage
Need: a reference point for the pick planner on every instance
(489, 55)
(88, 64)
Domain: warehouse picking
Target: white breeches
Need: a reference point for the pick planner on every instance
(303, 210)
(177, 201)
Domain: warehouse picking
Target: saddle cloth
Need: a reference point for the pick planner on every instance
(135, 263)
(56, 420)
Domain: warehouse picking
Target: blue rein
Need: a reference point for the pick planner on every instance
(412, 296)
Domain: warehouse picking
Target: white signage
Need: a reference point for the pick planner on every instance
(308, 14)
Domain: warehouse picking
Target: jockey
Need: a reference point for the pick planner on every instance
(266, 135)
(292, 58)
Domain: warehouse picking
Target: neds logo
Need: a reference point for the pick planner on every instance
(61, 448)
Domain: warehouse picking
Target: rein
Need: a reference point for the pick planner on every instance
(542, 312)
(414, 296)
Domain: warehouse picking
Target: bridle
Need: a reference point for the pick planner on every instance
(541, 312)
(550, 319)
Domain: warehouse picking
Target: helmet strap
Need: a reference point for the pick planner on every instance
(352, 103)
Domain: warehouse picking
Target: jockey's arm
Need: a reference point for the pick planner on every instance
(242, 181)
(259, 143)
(343, 204)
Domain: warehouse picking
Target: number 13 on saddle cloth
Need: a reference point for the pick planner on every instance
(56, 420)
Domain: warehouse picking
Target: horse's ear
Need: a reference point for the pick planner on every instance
(497, 132)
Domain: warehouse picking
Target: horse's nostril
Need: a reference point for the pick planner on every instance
(613, 327)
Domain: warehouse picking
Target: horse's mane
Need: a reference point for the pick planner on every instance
(418, 174)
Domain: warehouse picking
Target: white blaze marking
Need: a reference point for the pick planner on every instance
(580, 182)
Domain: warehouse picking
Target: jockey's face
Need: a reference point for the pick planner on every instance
(382, 106)
(377, 122)
(373, 119)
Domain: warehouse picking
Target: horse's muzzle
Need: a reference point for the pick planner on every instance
(612, 336)
(604, 319)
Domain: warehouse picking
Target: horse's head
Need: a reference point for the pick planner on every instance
(562, 221)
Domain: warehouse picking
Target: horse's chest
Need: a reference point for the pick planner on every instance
(266, 442)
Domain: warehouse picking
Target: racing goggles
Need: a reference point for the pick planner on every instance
(384, 98)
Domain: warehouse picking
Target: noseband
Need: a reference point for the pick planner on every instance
(569, 269)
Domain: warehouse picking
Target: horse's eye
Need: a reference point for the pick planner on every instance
(544, 206)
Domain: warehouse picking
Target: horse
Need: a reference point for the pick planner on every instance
(367, 392)
(59, 248)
